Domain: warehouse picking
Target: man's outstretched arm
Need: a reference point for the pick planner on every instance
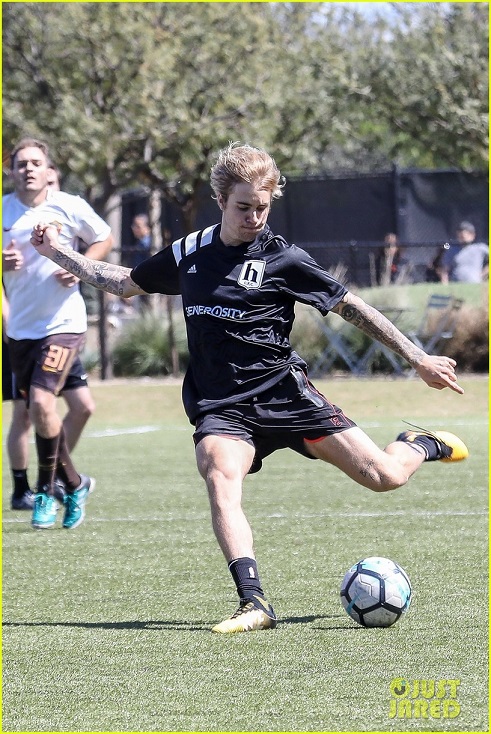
(437, 371)
(107, 277)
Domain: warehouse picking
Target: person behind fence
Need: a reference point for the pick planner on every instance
(433, 268)
(465, 261)
(392, 265)
(48, 321)
(77, 395)
(142, 233)
(143, 238)
(246, 390)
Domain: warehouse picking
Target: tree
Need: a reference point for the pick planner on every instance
(132, 93)
(426, 69)
(138, 92)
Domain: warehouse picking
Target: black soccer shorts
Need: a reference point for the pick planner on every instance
(284, 416)
(52, 363)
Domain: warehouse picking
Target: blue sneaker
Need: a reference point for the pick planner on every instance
(75, 503)
(45, 509)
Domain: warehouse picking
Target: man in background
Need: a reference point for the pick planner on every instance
(80, 406)
(465, 261)
(47, 322)
(143, 241)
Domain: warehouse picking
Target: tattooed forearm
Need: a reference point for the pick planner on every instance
(377, 326)
(105, 276)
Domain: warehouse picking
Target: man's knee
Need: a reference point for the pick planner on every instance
(223, 460)
(80, 403)
(41, 404)
(20, 418)
(85, 411)
(389, 478)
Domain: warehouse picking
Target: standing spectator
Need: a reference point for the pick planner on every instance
(143, 238)
(77, 396)
(48, 320)
(143, 242)
(392, 266)
(434, 267)
(465, 261)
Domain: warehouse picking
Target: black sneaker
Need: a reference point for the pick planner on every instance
(59, 491)
(23, 502)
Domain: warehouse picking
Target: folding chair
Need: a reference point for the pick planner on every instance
(437, 325)
(375, 348)
(337, 346)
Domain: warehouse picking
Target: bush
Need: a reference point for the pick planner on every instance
(144, 348)
(470, 344)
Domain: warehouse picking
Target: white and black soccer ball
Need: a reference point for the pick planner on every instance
(375, 592)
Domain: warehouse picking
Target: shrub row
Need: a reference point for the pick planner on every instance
(149, 347)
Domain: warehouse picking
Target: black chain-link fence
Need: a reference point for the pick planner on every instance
(342, 220)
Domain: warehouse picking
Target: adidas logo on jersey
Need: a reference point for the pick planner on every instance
(192, 269)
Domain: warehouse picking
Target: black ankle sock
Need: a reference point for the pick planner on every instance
(20, 482)
(427, 444)
(246, 577)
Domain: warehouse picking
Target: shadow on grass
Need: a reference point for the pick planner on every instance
(173, 624)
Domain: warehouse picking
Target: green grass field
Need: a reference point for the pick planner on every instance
(107, 628)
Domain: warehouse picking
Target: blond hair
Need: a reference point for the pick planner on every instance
(244, 164)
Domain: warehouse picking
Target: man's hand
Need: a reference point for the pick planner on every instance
(66, 279)
(44, 237)
(439, 372)
(12, 258)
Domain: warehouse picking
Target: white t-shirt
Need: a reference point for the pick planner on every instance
(39, 305)
(465, 263)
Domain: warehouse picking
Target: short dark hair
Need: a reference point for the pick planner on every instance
(143, 217)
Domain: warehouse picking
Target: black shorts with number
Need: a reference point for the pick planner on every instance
(286, 415)
(52, 363)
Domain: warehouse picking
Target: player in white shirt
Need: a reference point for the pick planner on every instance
(76, 393)
(47, 321)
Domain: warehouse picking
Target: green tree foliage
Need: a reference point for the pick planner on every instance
(132, 93)
(137, 92)
(428, 78)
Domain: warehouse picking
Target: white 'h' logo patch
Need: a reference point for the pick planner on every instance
(252, 273)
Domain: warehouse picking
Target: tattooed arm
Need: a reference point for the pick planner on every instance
(436, 371)
(107, 277)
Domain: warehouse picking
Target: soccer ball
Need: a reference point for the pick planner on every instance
(375, 592)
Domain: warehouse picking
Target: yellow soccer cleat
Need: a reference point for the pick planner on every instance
(459, 450)
(250, 616)
(448, 446)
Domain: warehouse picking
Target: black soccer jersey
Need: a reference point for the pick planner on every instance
(238, 304)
